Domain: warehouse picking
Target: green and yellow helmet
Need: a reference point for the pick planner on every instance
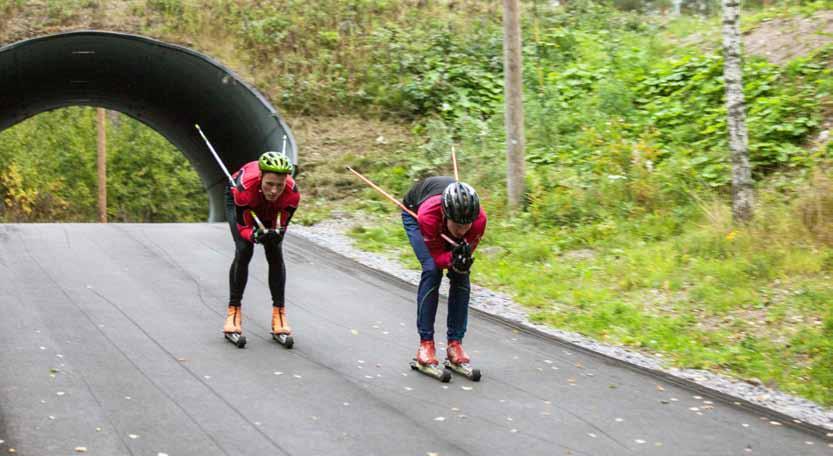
(275, 162)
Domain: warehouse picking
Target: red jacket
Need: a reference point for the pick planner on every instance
(251, 198)
(432, 224)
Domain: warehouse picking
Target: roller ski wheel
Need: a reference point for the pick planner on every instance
(432, 370)
(464, 369)
(284, 339)
(237, 339)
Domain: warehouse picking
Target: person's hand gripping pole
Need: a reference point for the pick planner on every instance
(396, 201)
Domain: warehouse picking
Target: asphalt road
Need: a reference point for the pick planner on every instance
(111, 340)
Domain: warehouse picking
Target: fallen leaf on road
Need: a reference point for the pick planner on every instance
(439, 418)
(80, 449)
(660, 388)
(354, 332)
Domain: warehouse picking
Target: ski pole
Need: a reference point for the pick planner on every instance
(396, 201)
(216, 157)
(257, 220)
(454, 160)
(283, 148)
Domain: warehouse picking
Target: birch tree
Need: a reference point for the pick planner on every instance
(742, 192)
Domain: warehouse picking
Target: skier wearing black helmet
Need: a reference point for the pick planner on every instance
(443, 207)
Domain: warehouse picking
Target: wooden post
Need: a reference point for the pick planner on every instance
(513, 94)
(102, 165)
(742, 188)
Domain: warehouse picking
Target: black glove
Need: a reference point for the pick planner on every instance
(270, 237)
(281, 234)
(461, 259)
(258, 235)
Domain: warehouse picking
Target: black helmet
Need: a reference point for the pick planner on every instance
(461, 203)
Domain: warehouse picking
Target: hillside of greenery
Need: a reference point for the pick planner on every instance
(626, 233)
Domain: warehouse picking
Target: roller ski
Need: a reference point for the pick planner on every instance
(233, 327)
(456, 360)
(426, 362)
(281, 331)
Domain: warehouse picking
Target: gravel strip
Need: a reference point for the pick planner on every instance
(331, 234)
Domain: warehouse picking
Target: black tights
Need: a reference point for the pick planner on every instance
(239, 271)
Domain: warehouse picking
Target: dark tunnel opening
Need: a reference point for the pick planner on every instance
(168, 87)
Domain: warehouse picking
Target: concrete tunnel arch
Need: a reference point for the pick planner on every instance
(165, 86)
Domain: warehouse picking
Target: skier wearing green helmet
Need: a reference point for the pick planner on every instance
(266, 189)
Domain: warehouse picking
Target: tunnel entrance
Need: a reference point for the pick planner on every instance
(167, 87)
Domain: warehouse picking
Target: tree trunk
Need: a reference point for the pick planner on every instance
(742, 192)
(513, 91)
(102, 165)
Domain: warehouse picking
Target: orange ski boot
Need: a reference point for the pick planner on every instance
(233, 328)
(233, 320)
(281, 331)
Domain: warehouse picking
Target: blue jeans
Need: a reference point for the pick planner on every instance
(428, 293)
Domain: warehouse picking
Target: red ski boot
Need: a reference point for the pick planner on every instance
(426, 362)
(426, 354)
(457, 360)
(455, 353)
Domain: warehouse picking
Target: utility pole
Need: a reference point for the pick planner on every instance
(102, 165)
(742, 189)
(513, 94)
